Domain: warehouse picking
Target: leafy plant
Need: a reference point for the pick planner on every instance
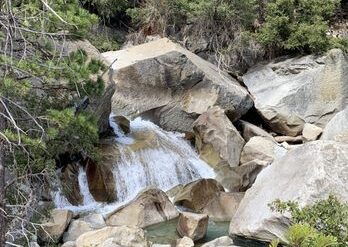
(303, 235)
(297, 25)
(60, 15)
(107, 8)
(329, 217)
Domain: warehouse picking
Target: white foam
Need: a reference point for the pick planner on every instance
(172, 161)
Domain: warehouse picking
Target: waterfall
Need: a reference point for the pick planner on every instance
(148, 156)
(89, 204)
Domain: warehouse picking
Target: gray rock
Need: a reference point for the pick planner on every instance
(197, 194)
(174, 86)
(239, 178)
(192, 225)
(184, 242)
(224, 206)
(69, 244)
(113, 236)
(311, 132)
(289, 139)
(34, 244)
(150, 207)
(300, 90)
(54, 229)
(250, 130)
(222, 241)
(305, 174)
(337, 128)
(76, 229)
(218, 142)
(96, 221)
(262, 151)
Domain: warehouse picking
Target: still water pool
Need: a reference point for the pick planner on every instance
(165, 233)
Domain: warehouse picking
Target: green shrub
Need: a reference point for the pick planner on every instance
(226, 26)
(107, 8)
(70, 133)
(303, 235)
(66, 15)
(329, 217)
(299, 25)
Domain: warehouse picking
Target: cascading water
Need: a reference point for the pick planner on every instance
(148, 156)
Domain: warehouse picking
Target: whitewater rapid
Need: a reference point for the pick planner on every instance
(167, 162)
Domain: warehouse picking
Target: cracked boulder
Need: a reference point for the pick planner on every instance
(162, 81)
(150, 207)
(296, 91)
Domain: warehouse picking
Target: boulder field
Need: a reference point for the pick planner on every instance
(282, 134)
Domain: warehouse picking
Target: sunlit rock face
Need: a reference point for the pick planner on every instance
(173, 86)
(150, 207)
(305, 174)
(296, 91)
(337, 128)
(217, 140)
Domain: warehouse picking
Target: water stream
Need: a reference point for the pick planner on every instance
(148, 156)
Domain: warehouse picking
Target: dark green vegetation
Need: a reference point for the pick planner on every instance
(243, 31)
(325, 223)
(41, 83)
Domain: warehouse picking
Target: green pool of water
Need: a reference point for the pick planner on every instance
(165, 233)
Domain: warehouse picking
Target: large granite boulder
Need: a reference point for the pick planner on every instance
(192, 225)
(217, 140)
(76, 229)
(300, 90)
(305, 174)
(337, 128)
(261, 150)
(150, 207)
(239, 178)
(224, 206)
(124, 236)
(101, 182)
(173, 86)
(80, 226)
(196, 195)
(53, 230)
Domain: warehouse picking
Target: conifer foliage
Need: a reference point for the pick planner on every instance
(38, 89)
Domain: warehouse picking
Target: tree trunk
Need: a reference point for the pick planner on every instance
(2, 183)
